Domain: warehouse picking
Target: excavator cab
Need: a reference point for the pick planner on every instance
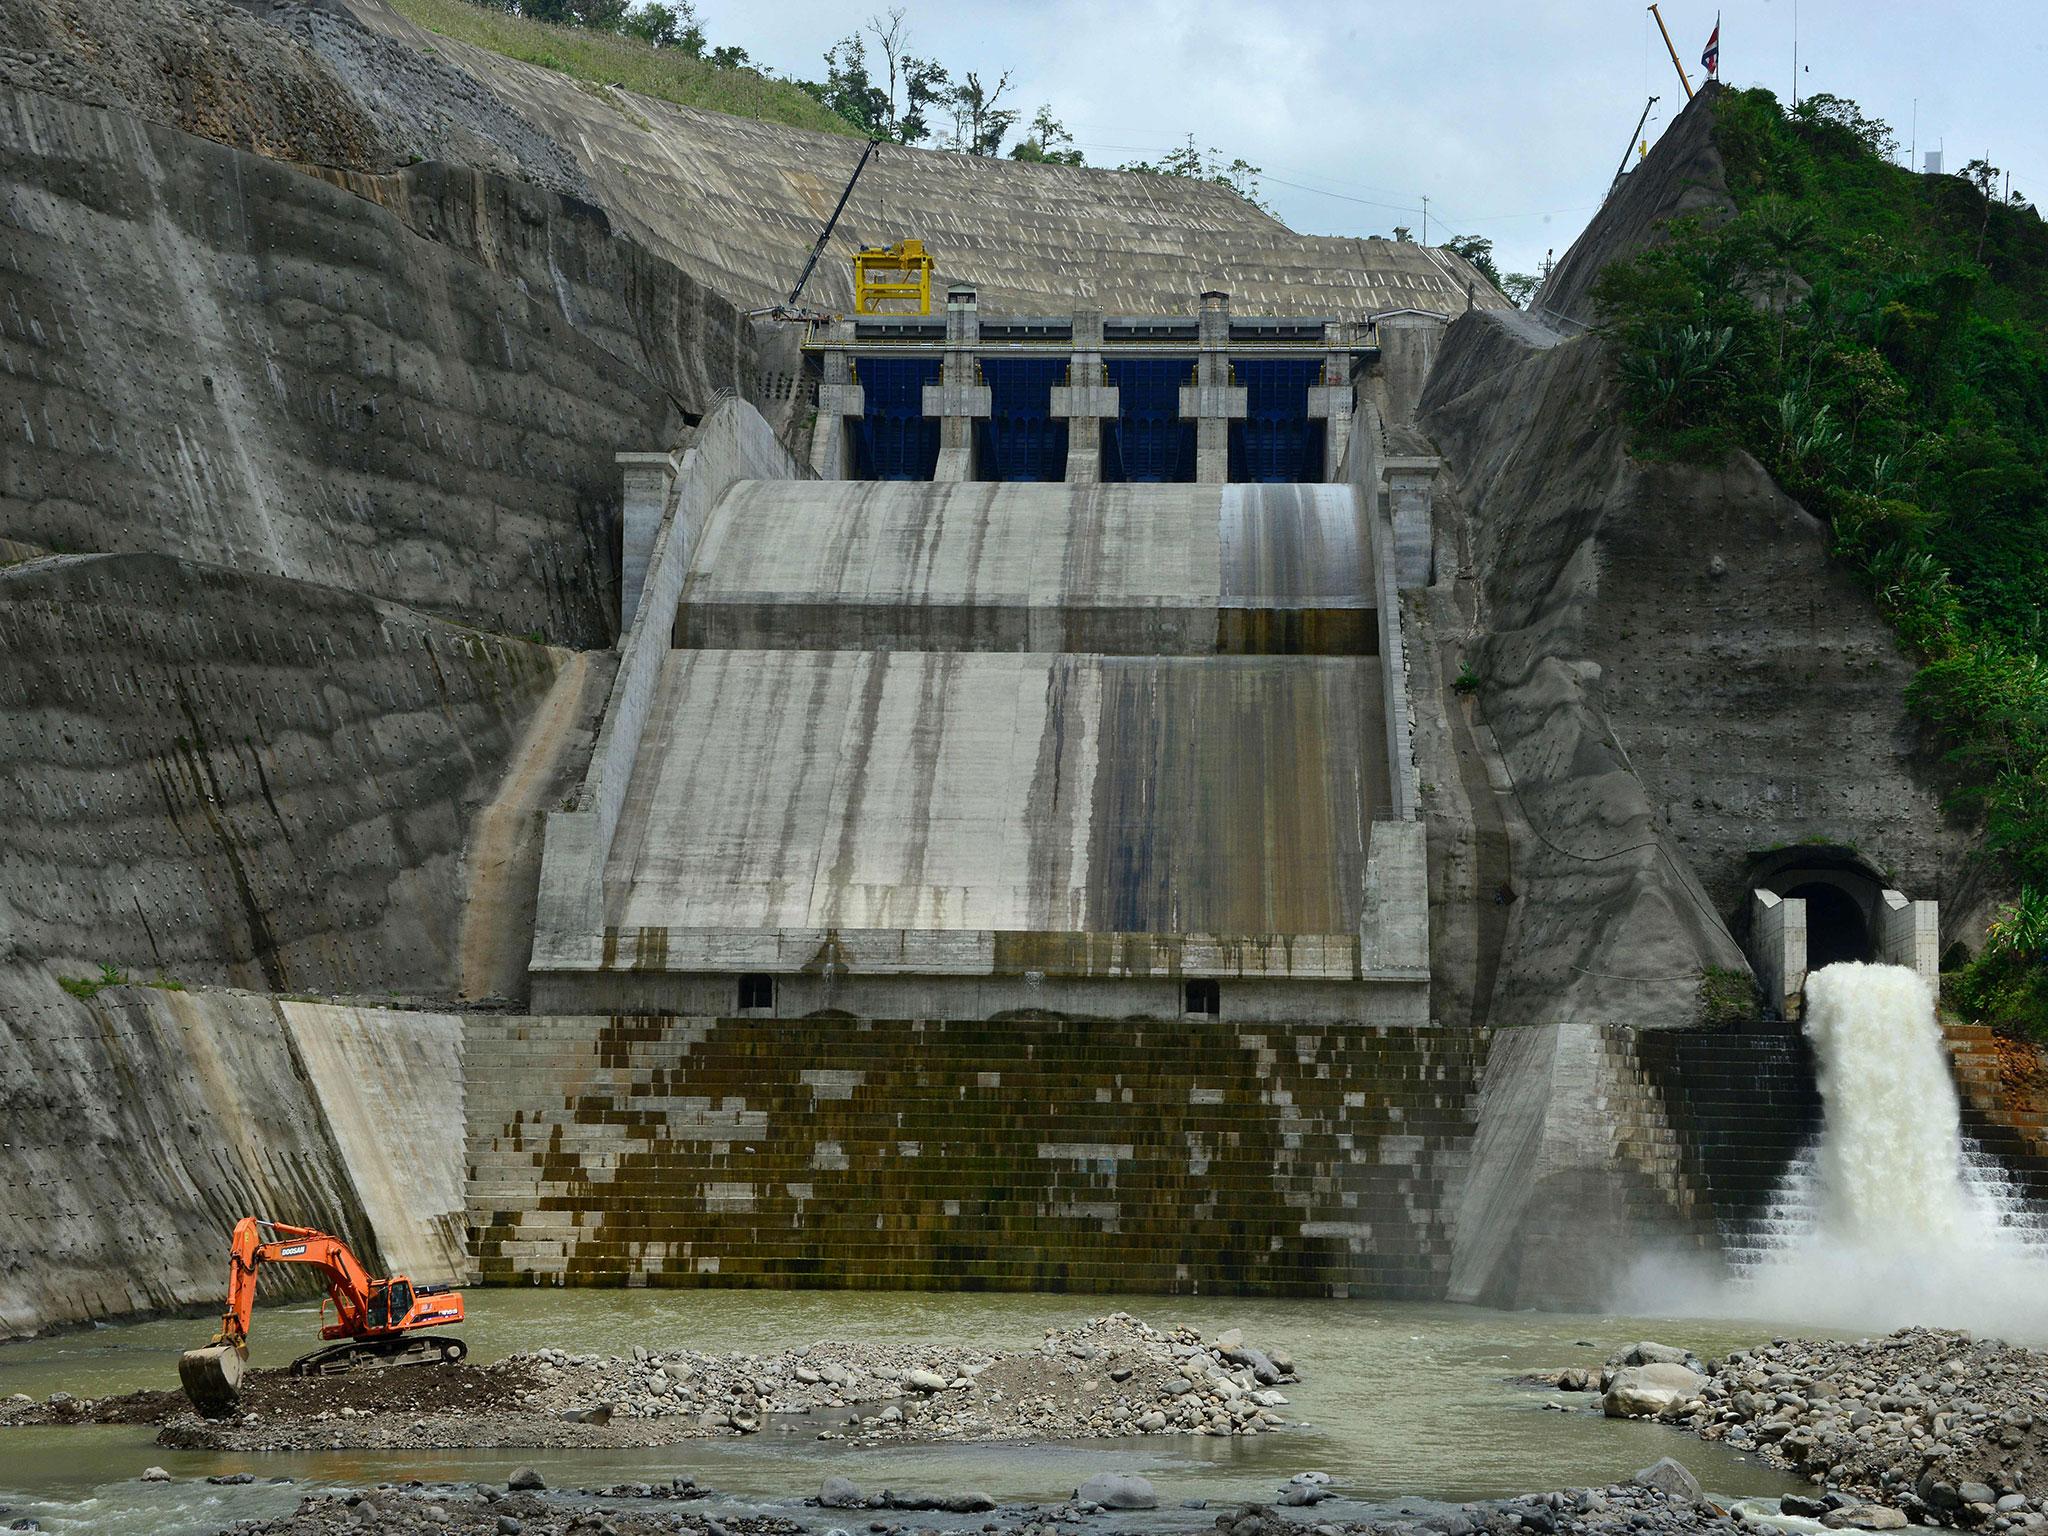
(390, 1304)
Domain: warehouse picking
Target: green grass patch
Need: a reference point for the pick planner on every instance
(1727, 998)
(1878, 340)
(92, 986)
(605, 58)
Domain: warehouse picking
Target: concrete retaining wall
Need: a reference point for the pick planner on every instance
(140, 1126)
(1137, 1157)
(733, 443)
(1600, 1147)
(389, 1085)
(1362, 461)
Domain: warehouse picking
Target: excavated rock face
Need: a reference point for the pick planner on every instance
(223, 357)
(563, 253)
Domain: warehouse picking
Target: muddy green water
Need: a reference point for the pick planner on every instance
(1399, 1401)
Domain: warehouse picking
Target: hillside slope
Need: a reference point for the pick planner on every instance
(1678, 679)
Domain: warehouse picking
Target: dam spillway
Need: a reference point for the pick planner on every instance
(954, 750)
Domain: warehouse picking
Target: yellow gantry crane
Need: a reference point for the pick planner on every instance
(892, 279)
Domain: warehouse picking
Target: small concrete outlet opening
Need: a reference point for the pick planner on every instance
(1835, 926)
(1820, 905)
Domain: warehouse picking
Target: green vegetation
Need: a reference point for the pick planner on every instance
(86, 986)
(2007, 985)
(718, 81)
(1240, 175)
(1727, 998)
(1467, 681)
(1478, 250)
(873, 86)
(1879, 341)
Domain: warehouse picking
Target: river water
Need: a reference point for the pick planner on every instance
(1403, 1400)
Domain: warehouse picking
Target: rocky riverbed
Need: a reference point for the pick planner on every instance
(1662, 1500)
(1106, 1377)
(1924, 1426)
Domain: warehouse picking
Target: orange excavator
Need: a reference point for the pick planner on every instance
(379, 1320)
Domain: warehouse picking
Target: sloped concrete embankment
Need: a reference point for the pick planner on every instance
(143, 1122)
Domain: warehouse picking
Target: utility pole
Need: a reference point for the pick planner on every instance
(1425, 218)
(1795, 54)
(1913, 154)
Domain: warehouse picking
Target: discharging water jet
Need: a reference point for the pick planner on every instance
(1891, 1218)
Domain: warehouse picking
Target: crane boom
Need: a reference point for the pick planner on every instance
(825, 234)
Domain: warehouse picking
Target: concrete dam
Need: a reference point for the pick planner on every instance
(1204, 769)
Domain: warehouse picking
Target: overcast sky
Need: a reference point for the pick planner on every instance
(1509, 114)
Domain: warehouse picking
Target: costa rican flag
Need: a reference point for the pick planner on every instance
(1710, 60)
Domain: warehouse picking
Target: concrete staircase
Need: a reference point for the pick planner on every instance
(1732, 1111)
(2004, 1088)
(1175, 1156)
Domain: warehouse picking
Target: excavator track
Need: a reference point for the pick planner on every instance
(381, 1355)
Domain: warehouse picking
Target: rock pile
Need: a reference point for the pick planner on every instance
(1663, 1500)
(1948, 1429)
(1111, 1376)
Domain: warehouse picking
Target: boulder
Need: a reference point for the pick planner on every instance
(1118, 1490)
(1935, 1493)
(1229, 1339)
(1574, 1379)
(1650, 1391)
(1799, 1504)
(1670, 1478)
(1865, 1517)
(1647, 1353)
(924, 1381)
(525, 1480)
(839, 1493)
(155, 1475)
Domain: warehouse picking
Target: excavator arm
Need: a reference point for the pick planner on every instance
(256, 1243)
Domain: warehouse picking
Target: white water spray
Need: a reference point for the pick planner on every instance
(1892, 1219)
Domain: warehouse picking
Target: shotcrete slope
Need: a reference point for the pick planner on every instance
(214, 355)
(243, 779)
(1682, 178)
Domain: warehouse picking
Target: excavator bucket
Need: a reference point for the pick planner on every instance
(212, 1377)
